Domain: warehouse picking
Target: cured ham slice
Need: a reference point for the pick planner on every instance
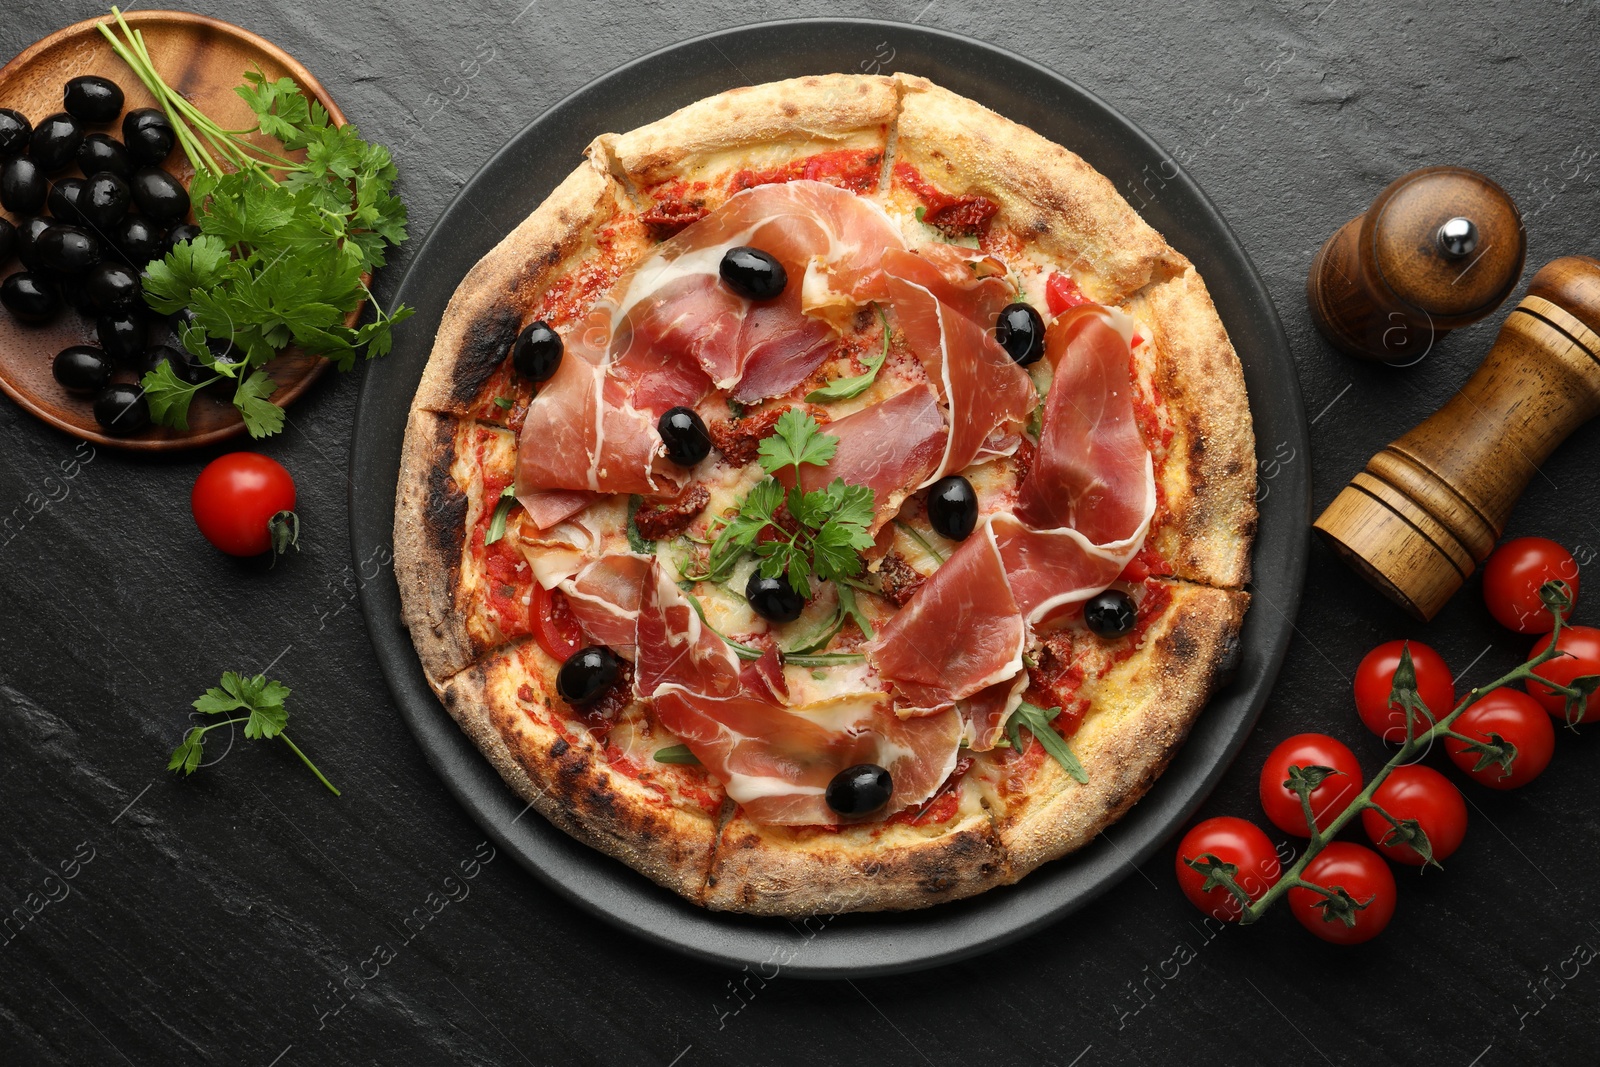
(986, 711)
(550, 507)
(604, 597)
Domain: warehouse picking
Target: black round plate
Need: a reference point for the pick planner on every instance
(526, 170)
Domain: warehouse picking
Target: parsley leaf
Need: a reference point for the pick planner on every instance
(261, 416)
(168, 395)
(796, 439)
(266, 714)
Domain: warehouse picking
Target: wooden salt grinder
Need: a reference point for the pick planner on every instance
(1430, 507)
(1440, 248)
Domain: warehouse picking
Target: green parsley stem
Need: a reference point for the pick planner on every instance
(308, 763)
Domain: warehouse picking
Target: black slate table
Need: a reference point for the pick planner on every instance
(211, 920)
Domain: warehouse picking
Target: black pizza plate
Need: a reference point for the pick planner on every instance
(519, 177)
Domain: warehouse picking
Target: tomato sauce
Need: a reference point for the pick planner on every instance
(855, 169)
(963, 216)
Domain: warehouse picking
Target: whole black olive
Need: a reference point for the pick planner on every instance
(23, 186)
(587, 673)
(159, 194)
(121, 408)
(8, 241)
(28, 234)
(68, 250)
(953, 507)
(185, 364)
(55, 142)
(184, 231)
(113, 286)
(92, 98)
(148, 135)
(752, 273)
(140, 239)
(100, 152)
(76, 296)
(122, 335)
(1020, 331)
(685, 435)
(15, 132)
(105, 200)
(859, 790)
(64, 201)
(81, 369)
(30, 297)
(773, 598)
(1111, 614)
(536, 353)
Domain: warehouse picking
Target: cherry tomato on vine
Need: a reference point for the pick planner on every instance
(554, 626)
(1510, 716)
(1375, 679)
(243, 503)
(1513, 575)
(1362, 874)
(1236, 841)
(1582, 647)
(1420, 793)
(1328, 799)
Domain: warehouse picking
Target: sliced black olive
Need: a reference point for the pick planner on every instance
(68, 250)
(8, 241)
(587, 673)
(55, 142)
(140, 239)
(122, 335)
(81, 369)
(1111, 614)
(185, 364)
(15, 132)
(121, 408)
(752, 273)
(23, 186)
(28, 233)
(1020, 331)
(113, 286)
(100, 152)
(29, 296)
(536, 354)
(773, 599)
(92, 98)
(859, 790)
(105, 200)
(184, 231)
(685, 435)
(65, 201)
(148, 135)
(953, 507)
(159, 194)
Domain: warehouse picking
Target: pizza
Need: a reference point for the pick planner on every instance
(832, 497)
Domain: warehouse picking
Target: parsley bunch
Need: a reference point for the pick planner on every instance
(284, 245)
(827, 528)
(267, 716)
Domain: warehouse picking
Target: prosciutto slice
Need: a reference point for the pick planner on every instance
(604, 597)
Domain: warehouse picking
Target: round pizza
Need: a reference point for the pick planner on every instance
(832, 497)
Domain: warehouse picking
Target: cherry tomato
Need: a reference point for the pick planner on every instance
(1362, 874)
(1375, 679)
(1510, 716)
(1061, 293)
(1236, 841)
(1513, 575)
(1582, 647)
(1282, 805)
(1420, 793)
(554, 626)
(244, 504)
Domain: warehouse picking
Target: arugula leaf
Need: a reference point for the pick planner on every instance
(502, 511)
(847, 601)
(1036, 721)
(636, 540)
(677, 754)
(845, 388)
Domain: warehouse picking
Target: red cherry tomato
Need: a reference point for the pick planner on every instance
(1582, 647)
(244, 504)
(554, 626)
(1375, 679)
(1420, 793)
(1360, 872)
(1513, 575)
(1514, 717)
(1282, 805)
(1235, 841)
(1062, 293)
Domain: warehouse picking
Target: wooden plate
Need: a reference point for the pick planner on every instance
(204, 59)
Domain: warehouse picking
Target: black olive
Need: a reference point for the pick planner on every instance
(100, 152)
(536, 354)
(859, 790)
(953, 507)
(81, 369)
(29, 231)
(15, 132)
(8, 241)
(68, 250)
(55, 142)
(185, 364)
(113, 286)
(121, 408)
(105, 200)
(23, 186)
(587, 673)
(76, 296)
(29, 296)
(140, 239)
(684, 433)
(159, 194)
(64, 201)
(752, 273)
(122, 335)
(148, 135)
(773, 598)
(1111, 614)
(92, 98)
(184, 231)
(1020, 331)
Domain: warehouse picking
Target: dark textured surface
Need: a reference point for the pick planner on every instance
(214, 913)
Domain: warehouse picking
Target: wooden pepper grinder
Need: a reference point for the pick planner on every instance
(1439, 248)
(1429, 508)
